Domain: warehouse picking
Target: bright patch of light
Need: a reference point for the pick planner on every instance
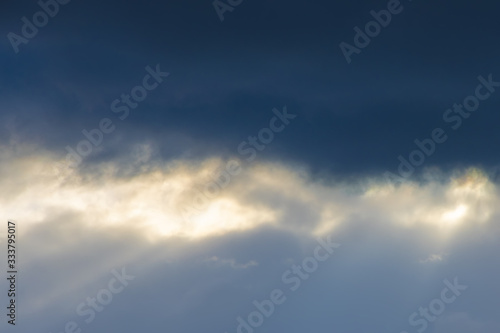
(225, 215)
(454, 216)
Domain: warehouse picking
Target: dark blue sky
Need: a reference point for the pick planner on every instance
(226, 76)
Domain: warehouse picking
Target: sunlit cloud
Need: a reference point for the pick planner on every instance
(264, 194)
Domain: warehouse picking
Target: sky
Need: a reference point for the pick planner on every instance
(250, 166)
